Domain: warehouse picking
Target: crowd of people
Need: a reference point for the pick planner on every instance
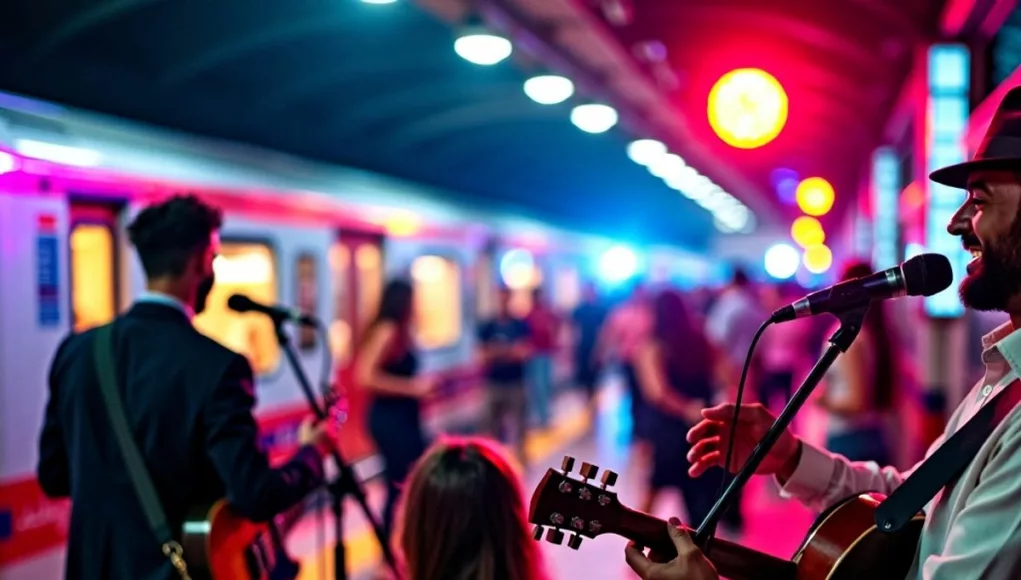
(678, 353)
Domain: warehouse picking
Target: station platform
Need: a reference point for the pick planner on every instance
(773, 525)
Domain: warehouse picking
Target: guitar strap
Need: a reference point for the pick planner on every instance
(103, 352)
(947, 462)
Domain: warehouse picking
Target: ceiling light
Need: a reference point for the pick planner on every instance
(666, 165)
(737, 218)
(645, 151)
(723, 226)
(683, 179)
(378, 1)
(478, 46)
(594, 117)
(549, 89)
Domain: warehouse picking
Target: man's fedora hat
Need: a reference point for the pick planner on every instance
(1000, 149)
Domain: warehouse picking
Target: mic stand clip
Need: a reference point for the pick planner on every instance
(851, 322)
(346, 482)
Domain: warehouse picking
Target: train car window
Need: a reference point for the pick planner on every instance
(437, 283)
(567, 291)
(308, 297)
(485, 288)
(340, 326)
(93, 296)
(243, 268)
(369, 262)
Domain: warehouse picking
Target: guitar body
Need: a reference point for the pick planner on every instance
(220, 545)
(845, 544)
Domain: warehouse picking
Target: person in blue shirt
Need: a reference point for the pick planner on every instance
(504, 350)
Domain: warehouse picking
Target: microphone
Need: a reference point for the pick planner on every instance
(242, 303)
(922, 275)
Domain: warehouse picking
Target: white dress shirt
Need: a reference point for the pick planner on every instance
(973, 526)
(153, 297)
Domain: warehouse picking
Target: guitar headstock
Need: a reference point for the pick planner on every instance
(578, 506)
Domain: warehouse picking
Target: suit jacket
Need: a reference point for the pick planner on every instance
(189, 404)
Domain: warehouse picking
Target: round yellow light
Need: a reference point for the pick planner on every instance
(817, 259)
(815, 196)
(747, 108)
(807, 231)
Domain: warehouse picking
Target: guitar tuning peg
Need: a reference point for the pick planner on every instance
(574, 542)
(588, 471)
(537, 532)
(554, 536)
(609, 478)
(567, 464)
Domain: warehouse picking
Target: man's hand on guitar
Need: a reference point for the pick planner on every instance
(322, 434)
(710, 437)
(690, 563)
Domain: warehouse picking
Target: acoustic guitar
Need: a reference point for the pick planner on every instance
(221, 545)
(842, 544)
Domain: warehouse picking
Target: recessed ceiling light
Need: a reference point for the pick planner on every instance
(480, 47)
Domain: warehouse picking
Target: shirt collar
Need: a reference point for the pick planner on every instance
(1003, 343)
(153, 297)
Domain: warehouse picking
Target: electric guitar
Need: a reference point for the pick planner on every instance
(221, 545)
(842, 544)
(218, 544)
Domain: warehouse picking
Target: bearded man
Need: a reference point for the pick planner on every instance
(973, 525)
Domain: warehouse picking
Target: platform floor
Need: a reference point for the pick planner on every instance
(773, 525)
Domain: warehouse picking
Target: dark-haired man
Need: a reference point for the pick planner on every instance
(973, 524)
(188, 402)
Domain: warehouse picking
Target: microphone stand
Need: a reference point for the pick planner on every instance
(346, 481)
(850, 325)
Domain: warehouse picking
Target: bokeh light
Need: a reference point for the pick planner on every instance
(785, 182)
(815, 196)
(818, 258)
(747, 108)
(517, 269)
(807, 231)
(781, 261)
(618, 264)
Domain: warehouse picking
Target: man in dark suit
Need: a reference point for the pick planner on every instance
(188, 402)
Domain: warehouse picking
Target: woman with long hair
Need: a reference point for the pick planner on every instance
(463, 516)
(858, 389)
(674, 367)
(388, 367)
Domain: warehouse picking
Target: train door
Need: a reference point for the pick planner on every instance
(93, 251)
(356, 260)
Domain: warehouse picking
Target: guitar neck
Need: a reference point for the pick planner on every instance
(731, 560)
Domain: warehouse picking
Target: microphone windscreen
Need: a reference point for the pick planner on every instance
(240, 303)
(927, 274)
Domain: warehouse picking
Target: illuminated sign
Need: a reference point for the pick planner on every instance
(948, 110)
(862, 234)
(884, 208)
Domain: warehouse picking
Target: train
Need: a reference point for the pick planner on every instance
(319, 238)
